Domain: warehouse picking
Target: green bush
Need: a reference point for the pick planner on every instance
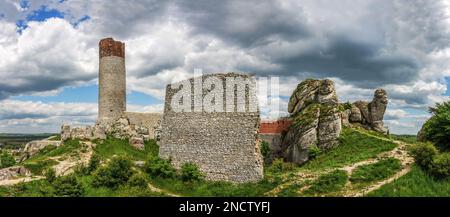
(437, 128)
(158, 167)
(94, 163)
(50, 175)
(6, 160)
(68, 186)
(423, 154)
(313, 152)
(265, 150)
(138, 180)
(191, 172)
(440, 166)
(278, 166)
(114, 174)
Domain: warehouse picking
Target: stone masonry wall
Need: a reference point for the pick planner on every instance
(112, 80)
(223, 144)
(148, 120)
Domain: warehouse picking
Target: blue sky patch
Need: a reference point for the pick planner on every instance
(42, 14)
(87, 94)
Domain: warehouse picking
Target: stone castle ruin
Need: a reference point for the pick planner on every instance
(223, 143)
(213, 120)
(113, 118)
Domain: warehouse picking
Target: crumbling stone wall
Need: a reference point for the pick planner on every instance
(223, 144)
(151, 121)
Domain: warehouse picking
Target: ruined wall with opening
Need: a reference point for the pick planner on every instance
(223, 144)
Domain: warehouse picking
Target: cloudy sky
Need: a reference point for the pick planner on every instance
(49, 52)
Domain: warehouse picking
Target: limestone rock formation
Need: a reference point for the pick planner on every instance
(369, 114)
(13, 172)
(314, 108)
(33, 147)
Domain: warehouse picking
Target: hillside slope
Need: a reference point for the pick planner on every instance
(364, 164)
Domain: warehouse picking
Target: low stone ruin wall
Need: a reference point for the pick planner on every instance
(148, 120)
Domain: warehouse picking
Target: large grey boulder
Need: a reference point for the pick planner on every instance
(314, 109)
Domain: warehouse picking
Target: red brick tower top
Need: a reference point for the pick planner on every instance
(109, 47)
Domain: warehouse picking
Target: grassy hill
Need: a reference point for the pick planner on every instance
(364, 164)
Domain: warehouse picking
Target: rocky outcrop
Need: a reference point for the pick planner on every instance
(121, 129)
(369, 114)
(314, 109)
(33, 147)
(13, 172)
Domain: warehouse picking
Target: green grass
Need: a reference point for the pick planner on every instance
(377, 171)
(291, 190)
(38, 167)
(217, 189)
(41, 188)
(354, 146)
(40, 162)
(328, 183)
(112, 146)
(69, 146)
(416, 183)
(56, 138)
(411, 139)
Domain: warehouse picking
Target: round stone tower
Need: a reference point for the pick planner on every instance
(111, 84)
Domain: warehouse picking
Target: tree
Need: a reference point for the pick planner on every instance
(437, 128)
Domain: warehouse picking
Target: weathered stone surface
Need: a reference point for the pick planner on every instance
(223, 144)
(364, 110)
(378, 105)
(137, 142)
(316, 118)
(65, 132)
(370, 114)
(345, 116)
(355, 114)
(33, 147)
(13, 172)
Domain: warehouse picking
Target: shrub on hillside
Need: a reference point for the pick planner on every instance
(158, 167)
(94, 163)
(115, 173)
(423, 154)
(6, 160)
(50, 175)
(265, 150)
(138, 180)
(278, 165)
(440, 166)
(68, 186)
(437, 128)
(191, 172)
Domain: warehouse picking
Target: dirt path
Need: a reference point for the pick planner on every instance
(9, 182)
(399, 153)
(68, 165)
